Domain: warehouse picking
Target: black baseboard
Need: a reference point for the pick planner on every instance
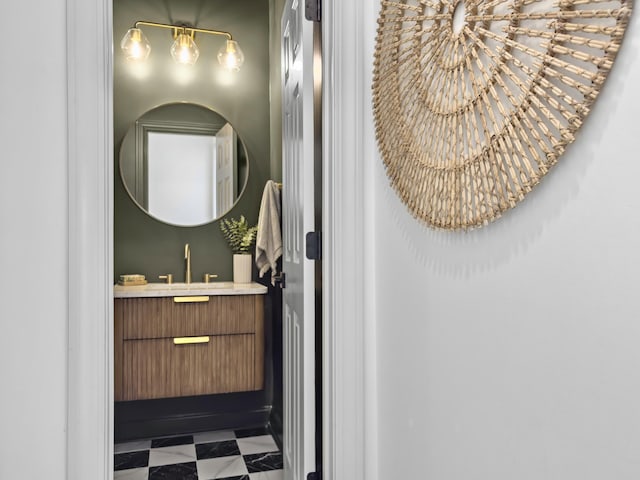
(174, 416)
(190, 424)
(275, 426)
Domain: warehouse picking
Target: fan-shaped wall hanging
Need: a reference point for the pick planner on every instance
(475, 100)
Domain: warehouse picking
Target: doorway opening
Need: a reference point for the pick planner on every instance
(91, 202)
(152, 400)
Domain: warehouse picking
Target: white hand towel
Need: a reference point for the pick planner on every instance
(269, 238)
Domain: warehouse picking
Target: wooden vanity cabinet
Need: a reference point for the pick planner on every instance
(167, 347)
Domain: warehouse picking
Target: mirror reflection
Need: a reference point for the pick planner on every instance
(183, 164)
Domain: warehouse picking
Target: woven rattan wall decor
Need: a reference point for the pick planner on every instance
(475, 100)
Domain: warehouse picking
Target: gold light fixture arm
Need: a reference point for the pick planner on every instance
(184, 49)
(183, 29)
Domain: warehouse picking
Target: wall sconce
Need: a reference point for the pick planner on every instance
(184, 49)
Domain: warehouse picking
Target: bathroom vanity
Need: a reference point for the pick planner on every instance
(180, 340)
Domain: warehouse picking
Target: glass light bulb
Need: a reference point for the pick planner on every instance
(135, 45)
(184, 50)
(230, 56)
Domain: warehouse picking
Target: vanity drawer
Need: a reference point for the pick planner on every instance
(164, 317)
(159, 368)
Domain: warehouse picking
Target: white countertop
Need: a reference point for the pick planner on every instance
(188, 289)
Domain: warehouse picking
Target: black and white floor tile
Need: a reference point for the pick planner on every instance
(221, 455)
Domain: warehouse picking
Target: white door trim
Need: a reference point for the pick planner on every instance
(90, 140)
(90, 157)
(347, 359)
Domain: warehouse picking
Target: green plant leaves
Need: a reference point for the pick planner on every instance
(239, 235)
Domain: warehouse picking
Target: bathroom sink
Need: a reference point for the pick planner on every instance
(199, 285)
(186, 289)
(188, 286)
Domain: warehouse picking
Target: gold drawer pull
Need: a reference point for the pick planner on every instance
(190, 299)
(190, 340)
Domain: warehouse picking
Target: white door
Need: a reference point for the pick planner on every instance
(226, 166)
(297, 219)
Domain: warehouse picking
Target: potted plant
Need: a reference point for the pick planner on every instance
(240, 237)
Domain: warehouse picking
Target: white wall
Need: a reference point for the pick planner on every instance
(33, 241)
(512, 352)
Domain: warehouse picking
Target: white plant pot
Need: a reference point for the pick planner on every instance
(242, 268)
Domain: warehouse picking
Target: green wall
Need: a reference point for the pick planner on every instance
(275, 33)
(142, 244)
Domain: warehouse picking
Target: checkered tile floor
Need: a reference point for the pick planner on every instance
(229, 455)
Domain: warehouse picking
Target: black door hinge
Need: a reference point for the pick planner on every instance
(280, 280)
(314, 476)
(312, 10)
(314, 245)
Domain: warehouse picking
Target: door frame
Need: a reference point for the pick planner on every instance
(349, 431)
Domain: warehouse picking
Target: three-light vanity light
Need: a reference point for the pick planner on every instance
(184, 49)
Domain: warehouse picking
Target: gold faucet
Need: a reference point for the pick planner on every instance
(187, 257)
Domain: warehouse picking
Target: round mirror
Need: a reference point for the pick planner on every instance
(183, 164)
